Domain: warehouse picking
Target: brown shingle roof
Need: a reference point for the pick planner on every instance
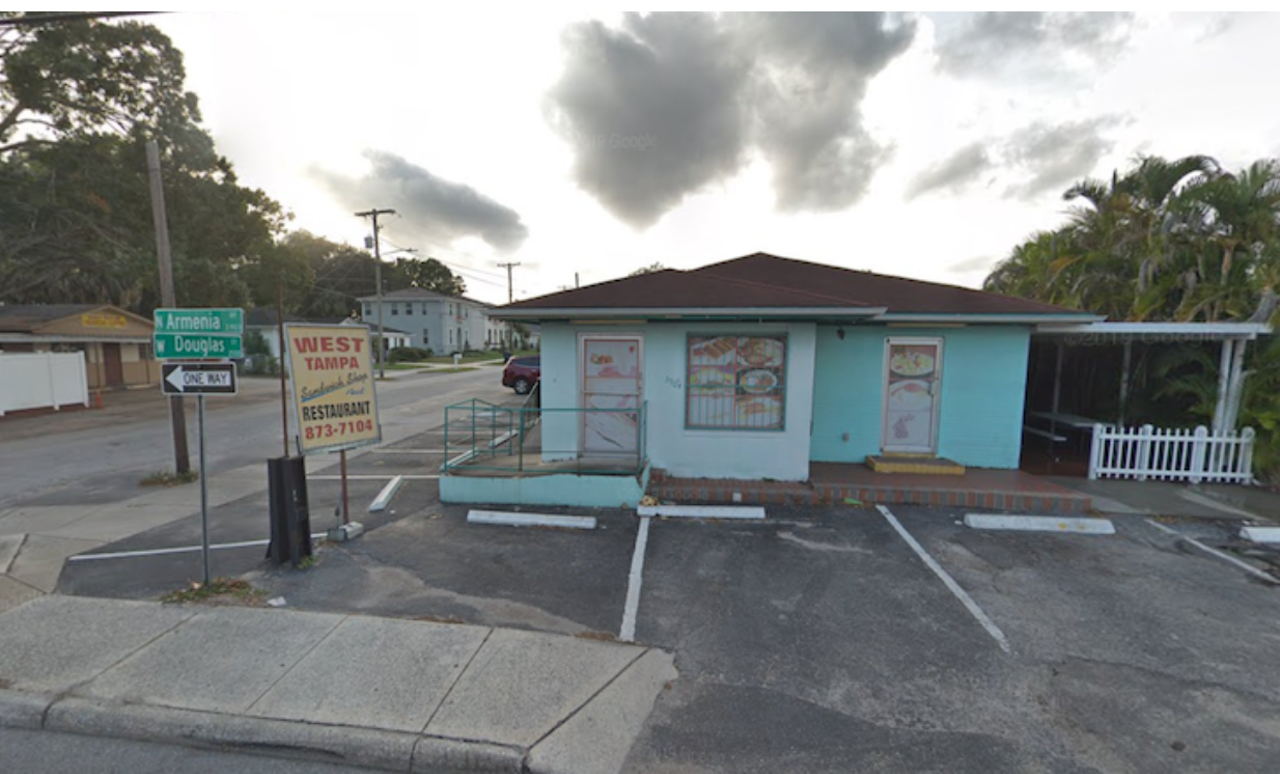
(767, 281)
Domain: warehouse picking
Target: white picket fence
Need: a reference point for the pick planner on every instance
(42, 380)
(1171, 454)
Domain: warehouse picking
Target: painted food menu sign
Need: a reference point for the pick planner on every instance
(911, 393)
(331, 372)
(736, 382)
(611, 385)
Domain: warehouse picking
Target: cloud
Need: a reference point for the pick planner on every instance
(667, 105)
(954, 173)
(1033, 43)
(430, 208)
(653, 110)
(969, 265)
(1051, 157)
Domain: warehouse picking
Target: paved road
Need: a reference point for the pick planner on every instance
(103, 461)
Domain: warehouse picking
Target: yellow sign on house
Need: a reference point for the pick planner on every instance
(103, 320)
(334, 401)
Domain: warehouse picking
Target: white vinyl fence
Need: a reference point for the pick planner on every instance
(1171, 454)
(42, 380)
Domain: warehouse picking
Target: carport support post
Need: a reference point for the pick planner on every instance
(1057, 388)
(1235, 388)
(1124, 380)
(1224, 373)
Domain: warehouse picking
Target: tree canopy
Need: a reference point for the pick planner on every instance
(1165, 240)
(79, 98)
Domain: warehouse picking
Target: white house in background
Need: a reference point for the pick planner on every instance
(441, 323)
(263, 320)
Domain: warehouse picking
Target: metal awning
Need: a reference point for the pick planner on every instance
(1233, 335)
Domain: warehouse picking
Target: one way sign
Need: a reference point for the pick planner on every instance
(199, 378)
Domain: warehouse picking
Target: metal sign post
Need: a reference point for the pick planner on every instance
(204, 498)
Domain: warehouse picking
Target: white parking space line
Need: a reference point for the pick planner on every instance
(950, 582)
(1254, 571)
(371, 477)
(178, 550)
(632, 607)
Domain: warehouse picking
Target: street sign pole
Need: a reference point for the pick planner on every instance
(204, 498)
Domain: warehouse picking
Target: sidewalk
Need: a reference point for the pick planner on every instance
(384, 693)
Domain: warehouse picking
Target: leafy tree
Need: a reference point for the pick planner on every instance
(650, 269)
(429, 275)
(67, 79)
(78, 100)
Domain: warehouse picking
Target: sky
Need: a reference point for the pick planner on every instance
(583, 147)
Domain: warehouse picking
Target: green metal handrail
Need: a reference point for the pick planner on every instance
(507, 431)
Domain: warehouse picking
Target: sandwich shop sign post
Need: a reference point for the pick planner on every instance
(334, 401)
(199, 334)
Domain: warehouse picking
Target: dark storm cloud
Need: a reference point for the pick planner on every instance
(1034, 42)
(811, 76)
(430, 208)
(653, 110)
(954, 173)
(1052, 157)
(668, 104)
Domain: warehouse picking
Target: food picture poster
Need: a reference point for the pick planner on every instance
(736, 381)
(331, 372)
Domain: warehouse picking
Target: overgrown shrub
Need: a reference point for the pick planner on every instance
(409, 354)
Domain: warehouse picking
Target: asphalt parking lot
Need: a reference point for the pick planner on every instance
(819, 640)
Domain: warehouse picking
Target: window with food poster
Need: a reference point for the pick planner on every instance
(736, 382)
(912, 371)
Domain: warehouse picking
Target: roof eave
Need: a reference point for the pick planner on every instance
(1027, 318)
(678, 313)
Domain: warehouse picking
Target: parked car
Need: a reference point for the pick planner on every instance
(522, 373)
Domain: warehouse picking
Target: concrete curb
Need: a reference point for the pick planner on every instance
(1261, 534)
(512, 519)
(702, 511)
(1065, 524)
(23, 710)
(352, 745)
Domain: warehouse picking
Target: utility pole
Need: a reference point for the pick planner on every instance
(377, 262)
(168, 298)
(511, 344)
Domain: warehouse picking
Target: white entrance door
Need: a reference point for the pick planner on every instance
(611, 379)
(913, 373)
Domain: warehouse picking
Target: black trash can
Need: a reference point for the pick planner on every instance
(290, 514)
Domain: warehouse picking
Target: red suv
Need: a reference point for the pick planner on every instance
(522, 373)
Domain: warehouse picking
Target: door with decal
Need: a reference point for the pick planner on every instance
(611, 379)
(913, 378)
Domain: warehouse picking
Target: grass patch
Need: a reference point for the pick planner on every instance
(307, 562)
(598, 636)
(169, 478)
(219, 591)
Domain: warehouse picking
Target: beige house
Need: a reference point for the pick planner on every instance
(116, 343)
